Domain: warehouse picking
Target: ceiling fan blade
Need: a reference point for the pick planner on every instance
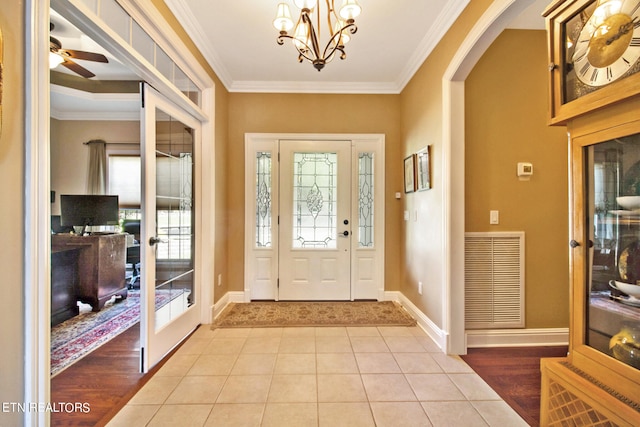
(87, 56)
(78, 69)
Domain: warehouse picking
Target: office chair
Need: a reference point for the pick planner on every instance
(133, 252)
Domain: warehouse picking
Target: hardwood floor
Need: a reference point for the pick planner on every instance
(514, 373)
(105, 379)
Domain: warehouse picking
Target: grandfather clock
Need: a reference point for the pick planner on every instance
(594, 75)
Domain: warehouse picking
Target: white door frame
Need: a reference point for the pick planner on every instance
(261, 264)
(37, 206)
(477, 41)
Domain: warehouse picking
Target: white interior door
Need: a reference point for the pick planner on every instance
(170, 291)
(315, 220)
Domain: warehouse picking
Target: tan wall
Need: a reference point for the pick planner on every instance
(506, 113)
(423, 239)
(221, 188)
(304, 113)
(12, 326)
(70, 157)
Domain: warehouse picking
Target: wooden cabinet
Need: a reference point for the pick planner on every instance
(598, 383)
(101, 265)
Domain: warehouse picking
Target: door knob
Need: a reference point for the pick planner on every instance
(574, 243)
(345, 233)
(155, 240)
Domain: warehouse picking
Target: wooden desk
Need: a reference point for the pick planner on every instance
(64, 284)
(101, 265)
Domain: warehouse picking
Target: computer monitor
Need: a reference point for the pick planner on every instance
(57, 228)
(88, 210)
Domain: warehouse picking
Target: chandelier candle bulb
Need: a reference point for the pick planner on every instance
(283, 21)
(350, 10)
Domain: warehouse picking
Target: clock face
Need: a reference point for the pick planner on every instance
(603, 45)
(609, 43)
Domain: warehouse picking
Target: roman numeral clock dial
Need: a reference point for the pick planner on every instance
(608, 46)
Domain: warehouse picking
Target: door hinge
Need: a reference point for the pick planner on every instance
(278, 219)
(278, 283)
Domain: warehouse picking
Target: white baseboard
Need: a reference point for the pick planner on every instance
(484, 338)
(435, 333)
(224, 301)
(517, 337)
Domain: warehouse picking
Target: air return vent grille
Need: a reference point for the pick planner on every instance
(494, 280)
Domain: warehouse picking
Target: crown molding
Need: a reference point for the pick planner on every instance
(94, 116)
(443, 23)
(190, 24)
(314, 87)
(93, 106)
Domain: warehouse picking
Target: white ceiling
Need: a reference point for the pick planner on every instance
(238, 39)
(394, 37)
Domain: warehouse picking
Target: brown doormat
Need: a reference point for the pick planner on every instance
(342, 313)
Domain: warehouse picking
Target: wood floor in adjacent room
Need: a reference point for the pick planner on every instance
(105, 379)
(514, 373)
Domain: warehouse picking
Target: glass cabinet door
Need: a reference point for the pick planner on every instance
(613, 225)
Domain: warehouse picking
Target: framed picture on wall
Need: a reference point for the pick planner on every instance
(409, 174)
(423, 169)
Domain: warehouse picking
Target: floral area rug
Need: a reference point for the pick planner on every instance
(80, 335)
(343, 313)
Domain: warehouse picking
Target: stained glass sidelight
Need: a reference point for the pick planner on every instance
(263, 199)
(315, 178)
(365, 200)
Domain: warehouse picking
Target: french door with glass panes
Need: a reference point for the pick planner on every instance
(170, 295)
(314, 217)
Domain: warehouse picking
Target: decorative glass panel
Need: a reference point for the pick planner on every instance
(315, 200)
(263, 199)
(365, 200)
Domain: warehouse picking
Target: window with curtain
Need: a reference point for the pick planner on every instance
(173, 226)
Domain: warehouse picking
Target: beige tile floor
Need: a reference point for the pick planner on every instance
(360, 376)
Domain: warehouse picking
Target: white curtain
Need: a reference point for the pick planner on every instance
(97, 179)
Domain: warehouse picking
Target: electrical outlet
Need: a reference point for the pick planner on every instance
(420, 288)
(219, 279)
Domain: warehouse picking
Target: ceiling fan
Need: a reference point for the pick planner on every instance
(58, 55)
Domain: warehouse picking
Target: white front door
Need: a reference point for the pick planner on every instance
(302, 193)
(315, 220)
(170, 291)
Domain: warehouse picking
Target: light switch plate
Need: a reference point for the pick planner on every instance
(494, 217)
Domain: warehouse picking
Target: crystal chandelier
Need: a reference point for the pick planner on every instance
(306, 36)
